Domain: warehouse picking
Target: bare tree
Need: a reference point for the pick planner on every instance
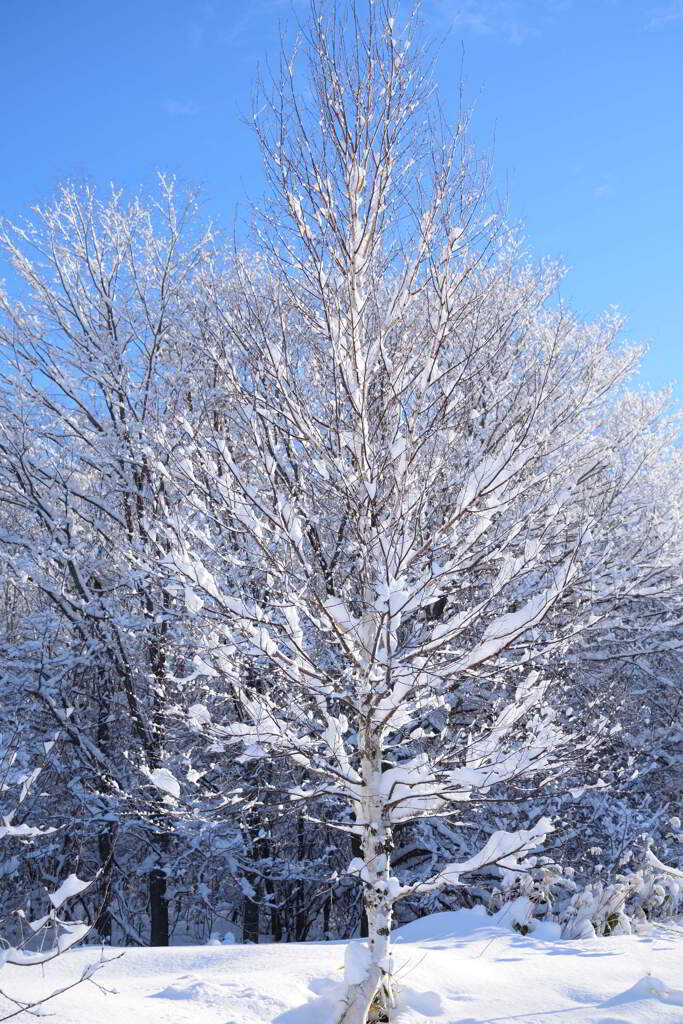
(94, 364)
(403, 503)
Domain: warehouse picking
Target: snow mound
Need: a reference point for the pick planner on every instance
(473, 924)
(193, 988)
(648, 988)
(546, 930)
(423, 1004)
(449, 924)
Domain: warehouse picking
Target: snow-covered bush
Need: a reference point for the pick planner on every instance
(618, 904)
(24, 941)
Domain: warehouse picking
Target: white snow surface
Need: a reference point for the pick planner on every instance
(451, 968)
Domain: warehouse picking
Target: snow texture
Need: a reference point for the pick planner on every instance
(453, 968)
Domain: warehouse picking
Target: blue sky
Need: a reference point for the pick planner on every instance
(580, 104)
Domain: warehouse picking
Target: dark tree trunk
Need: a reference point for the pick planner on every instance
(327, 907)
(250, 926)
(300, 926)
(254, 843)
(276, 924)
(105, 844)
(158, 908)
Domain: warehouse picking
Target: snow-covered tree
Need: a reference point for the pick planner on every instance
(27, 942)
(95, 358)
(410, 495)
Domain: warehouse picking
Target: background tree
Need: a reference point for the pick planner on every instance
(93, 384)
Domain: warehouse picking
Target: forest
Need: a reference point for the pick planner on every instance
(340, 565)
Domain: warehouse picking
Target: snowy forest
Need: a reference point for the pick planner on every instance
(340, 564)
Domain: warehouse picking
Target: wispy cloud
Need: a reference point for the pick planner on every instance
(602, 192)
(238, 26)
(512, 20)
(180, 108)
(198, 28)
(660, 17)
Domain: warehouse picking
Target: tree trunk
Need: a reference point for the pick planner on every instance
(107, 837)
(276, 924)
(105, 844)
(377, 844)
(158, 908)
(300, 921)
(254, 843)
(250, 924)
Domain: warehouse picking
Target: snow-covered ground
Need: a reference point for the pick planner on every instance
(455, 968)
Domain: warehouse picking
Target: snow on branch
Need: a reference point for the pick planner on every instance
(506, 850)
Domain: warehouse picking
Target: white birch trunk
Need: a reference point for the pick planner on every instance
(376, 841)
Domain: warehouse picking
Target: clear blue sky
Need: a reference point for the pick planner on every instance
(581, 103)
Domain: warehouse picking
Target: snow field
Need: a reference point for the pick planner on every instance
(452, 968)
